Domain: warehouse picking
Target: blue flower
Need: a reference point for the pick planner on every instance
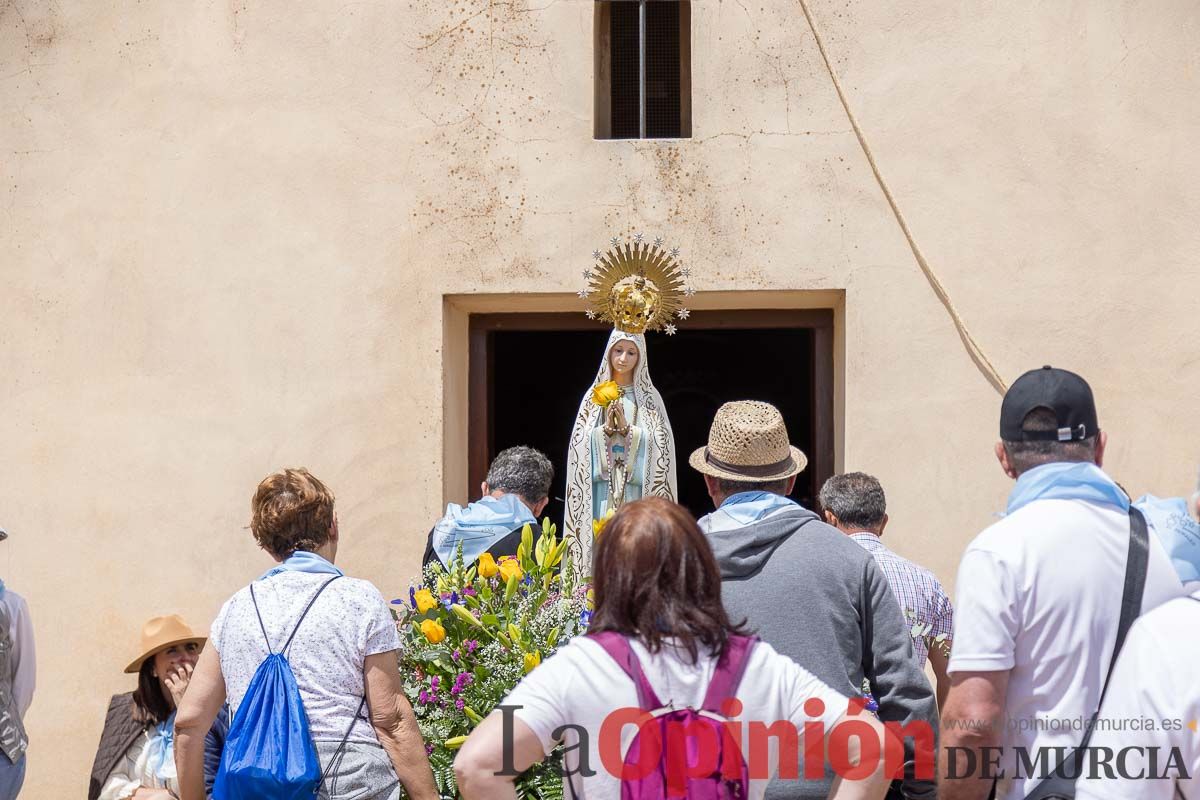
(585, 618)
(412, 596)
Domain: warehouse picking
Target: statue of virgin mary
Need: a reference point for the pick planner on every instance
(621, 447)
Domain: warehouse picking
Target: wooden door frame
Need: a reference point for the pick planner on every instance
(480, 367)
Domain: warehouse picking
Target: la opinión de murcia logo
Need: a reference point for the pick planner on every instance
(850, 762)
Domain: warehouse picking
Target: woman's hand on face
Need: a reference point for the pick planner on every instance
(177, 679)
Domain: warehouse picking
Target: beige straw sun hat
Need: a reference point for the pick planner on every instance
(159, 633)
(748, 442)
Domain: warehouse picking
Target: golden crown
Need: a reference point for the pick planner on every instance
(637, 287)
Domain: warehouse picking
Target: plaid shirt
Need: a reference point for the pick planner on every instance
(919, 592)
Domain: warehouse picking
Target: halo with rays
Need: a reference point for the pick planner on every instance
(637, 286)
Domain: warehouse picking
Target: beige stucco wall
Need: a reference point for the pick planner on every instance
(227, 230)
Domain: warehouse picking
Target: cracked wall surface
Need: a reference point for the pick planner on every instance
(226, 230)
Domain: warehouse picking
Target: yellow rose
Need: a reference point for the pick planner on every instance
(425, 600)
(605, 393)
(532, 660)
(487, 566)
(510, 567)
(433, 630)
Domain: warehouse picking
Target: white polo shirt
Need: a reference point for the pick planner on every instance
(1154, 702)
(1039, 596)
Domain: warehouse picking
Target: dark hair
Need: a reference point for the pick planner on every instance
(856, 499)
(291, 510)
(656, 579)
(728, 487)
(1024, 456)
(523, 471)
(150, 707)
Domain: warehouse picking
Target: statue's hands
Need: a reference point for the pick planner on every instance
(615, 423)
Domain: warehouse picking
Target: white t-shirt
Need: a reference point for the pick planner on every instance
(1039, 595)
(1153, 698)
(581, 684)
(349, 622)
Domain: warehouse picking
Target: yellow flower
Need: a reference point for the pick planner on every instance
(509, 567)
(425, 600)
(591, 599)
(605, 393)
(598, 524)
(433, 630)
(487, 566)
(532, 660)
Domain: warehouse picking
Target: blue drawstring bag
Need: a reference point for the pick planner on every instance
(269, 753)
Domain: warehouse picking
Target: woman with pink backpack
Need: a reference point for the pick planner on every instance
(665, 697)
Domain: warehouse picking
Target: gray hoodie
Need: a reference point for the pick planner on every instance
(819, 598)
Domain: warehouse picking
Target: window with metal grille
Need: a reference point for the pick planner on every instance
(643, 69)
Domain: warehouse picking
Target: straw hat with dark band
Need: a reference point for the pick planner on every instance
(162, 632)
(748, 442)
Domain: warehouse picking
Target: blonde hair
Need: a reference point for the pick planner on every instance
(291, 510)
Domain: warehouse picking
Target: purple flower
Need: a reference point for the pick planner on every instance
(433, 683)
(428, 749)
(472, 646)
(455, 656)
(470, 591)
(412, 596)
(423, 698)
(459, 704)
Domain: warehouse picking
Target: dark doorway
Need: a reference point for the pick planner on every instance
(529, 371)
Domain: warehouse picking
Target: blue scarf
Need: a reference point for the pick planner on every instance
(1066, 481)
(746, 508)
(303, 561)
(1177, 530)
(161, 756)
(478, 526)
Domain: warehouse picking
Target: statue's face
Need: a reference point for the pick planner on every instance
(623, 358)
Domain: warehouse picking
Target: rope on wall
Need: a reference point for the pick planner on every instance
(973, 349)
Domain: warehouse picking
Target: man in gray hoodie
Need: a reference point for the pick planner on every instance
(807, 590)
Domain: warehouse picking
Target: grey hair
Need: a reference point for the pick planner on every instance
(856, 499)
(523, 471)
(728, 487)
(1024, 456)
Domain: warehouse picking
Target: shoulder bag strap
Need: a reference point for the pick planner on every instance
(618, 647)
(333, 760)
(1136, 565)
(731, 666)
(304, 613)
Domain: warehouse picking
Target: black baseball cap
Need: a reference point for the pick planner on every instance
(1057, 390)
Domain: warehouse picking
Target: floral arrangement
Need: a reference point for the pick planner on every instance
(470, 633)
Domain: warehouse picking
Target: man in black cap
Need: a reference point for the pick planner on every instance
(1039, 596)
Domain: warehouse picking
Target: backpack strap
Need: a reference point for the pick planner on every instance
(618, 647)
(303, 614)
(730, 668)
(335, 759)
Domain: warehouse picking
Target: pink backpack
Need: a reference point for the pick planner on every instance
(674, 740)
